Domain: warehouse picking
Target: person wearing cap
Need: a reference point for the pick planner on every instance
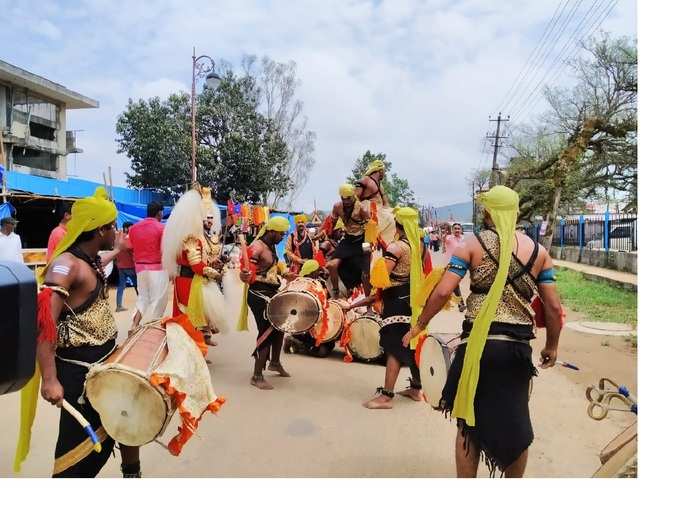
(397, 278)
(349, 259)
(10, 242)
(76, 328)
(300, 246)
(262, 278)
(487, 389)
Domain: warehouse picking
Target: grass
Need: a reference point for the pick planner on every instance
(598, 301)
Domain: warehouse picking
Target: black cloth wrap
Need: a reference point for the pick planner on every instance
(258, 306)
(186, 272)
(396, 301)
(523, 332)
(503, 425)
(306, 250)
(355, 262)
(71, 433)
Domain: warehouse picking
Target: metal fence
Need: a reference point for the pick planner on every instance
(608, 232)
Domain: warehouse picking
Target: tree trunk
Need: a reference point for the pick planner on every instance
(551, 219)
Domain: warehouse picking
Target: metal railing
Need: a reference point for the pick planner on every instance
(607, 232)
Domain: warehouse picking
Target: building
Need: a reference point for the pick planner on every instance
(33, 122)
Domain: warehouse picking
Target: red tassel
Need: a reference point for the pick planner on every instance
(47, 329)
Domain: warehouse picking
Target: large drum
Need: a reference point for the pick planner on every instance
(297, 308)
(132, 410)
(336, 320)
(436, 356)
(365, 336)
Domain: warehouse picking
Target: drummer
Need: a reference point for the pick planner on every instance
(263, 280)
(402, 270)
(349, 259)
(300, 247)
(77, 328)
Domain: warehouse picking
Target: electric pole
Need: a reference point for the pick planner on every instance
(495, 171)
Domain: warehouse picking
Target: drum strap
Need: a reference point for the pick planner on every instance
(502, 338)
(81, 398)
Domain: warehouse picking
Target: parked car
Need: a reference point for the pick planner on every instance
(621, 238)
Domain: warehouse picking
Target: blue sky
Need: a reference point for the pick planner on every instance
(414, 79)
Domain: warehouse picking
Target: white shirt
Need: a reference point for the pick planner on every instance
(10, 248)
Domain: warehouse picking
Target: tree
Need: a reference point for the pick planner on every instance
(397, 189)
(277, 85)
(156, 136)
(587, 143)
(240, 153)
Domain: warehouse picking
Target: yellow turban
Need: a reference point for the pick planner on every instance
(346, 190)
(309, 267)
(86, 214)
(339, 225)
(374, 166)
(301, 218)
(407, 217)
(275, 223)
(502, 204)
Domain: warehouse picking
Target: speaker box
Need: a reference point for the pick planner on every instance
(18, 313)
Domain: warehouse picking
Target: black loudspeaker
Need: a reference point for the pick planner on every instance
(18, 313)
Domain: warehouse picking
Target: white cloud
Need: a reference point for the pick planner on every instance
(414, 79)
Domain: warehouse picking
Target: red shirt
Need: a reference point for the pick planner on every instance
(56, 236)
(145, 238)
(124, 258)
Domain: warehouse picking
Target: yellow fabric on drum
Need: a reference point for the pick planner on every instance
(502, 204)
(380, 278)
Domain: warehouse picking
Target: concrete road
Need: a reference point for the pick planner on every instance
(313, 424)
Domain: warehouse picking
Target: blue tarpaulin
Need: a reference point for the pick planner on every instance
(280, 248)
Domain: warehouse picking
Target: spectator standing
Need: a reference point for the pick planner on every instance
(153, 283)
(59, 231)
(126, 267)
(10, 243)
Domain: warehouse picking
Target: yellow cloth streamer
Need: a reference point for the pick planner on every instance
(408, 218)
(380, 278)
(242, 324)
(502, 204)
(29, 403)
(195, 304)
(371, 232)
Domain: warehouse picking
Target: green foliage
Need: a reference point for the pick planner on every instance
(240, 153)
(596, 300)
(396, 189)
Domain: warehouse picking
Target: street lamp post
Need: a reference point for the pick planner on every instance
(201, 66)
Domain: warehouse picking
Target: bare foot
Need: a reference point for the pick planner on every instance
(379, 402)
(210, 341)
(277, 367)
(259, 382)
(412, 393)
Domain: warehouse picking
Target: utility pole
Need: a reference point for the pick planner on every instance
(495, 171)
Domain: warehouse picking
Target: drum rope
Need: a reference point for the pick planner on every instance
(81, 398)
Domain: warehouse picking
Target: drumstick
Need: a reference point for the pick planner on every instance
(84, 423)
(564, 364)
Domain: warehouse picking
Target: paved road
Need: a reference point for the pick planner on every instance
(313, 424)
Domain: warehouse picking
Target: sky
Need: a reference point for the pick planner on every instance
(416, 80)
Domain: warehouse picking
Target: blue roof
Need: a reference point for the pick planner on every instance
(76, 188)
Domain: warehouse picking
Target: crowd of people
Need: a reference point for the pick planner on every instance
(378, 251)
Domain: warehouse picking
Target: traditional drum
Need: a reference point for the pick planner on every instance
(436, 355)
(297, 308)
(132, 410)
(336, 320)
(365, 336)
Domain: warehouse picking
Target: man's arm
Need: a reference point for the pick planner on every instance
(547, 290)
(389, 264)
(62, 274)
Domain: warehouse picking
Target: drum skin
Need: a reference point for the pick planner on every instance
(336, 319)
(296, 309)
(435, 360)
(132, 410)
(365, 341)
